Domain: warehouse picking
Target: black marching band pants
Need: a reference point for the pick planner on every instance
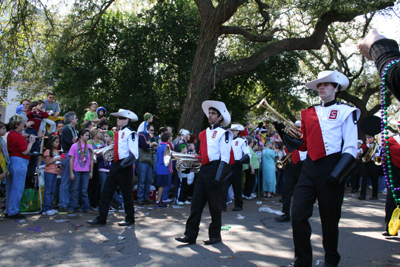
(355, 177)
(292, 175)
(205, 192)
(236, 181)
(311, 186)
(122, 178)
(369, 170)
(390, 203)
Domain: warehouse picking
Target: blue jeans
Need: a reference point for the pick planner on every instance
(144, 181)
(50, 180)
(167, 188)
(65, 186)
(381, 183)
(80, 183)
(116, 198)
(15, 184)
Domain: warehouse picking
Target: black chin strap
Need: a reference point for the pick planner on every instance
(216, 124)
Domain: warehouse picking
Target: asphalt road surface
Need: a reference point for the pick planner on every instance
(255, 240)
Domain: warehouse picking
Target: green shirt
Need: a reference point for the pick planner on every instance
(91, 116)
(254, 161)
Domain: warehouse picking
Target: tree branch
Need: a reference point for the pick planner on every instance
(247, 34)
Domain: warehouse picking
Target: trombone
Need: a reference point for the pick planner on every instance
(290, 129)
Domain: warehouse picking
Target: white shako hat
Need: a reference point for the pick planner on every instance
(125, 113)
(236, 127)
(220, 106)
(329, 76)
(297, 124)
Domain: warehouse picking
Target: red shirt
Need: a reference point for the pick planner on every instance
(16, 144)
(37, 117)
(394, 151)
(245, 132)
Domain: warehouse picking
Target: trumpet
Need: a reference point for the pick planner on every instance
(290, 129)
(184, 162)
(281, 163)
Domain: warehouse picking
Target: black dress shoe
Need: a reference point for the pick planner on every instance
(185, 239)
(16, 216)
(126, 223)
(361, 197)
(95, 222)
(283, 218)
(212, 240)
(387, 234)
(237, 208)
(326, 264)
(373, 198)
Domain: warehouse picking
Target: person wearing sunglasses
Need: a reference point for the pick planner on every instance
(126, 151)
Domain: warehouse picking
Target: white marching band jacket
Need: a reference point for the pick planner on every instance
(328, 130)
(215, 144)
(126, 140)
(240, 147)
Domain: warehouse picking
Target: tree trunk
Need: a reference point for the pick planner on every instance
(201, 80)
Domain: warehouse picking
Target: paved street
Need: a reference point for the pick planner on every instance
(255, 240)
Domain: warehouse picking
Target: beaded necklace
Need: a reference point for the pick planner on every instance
(387, 164)
(82, 155)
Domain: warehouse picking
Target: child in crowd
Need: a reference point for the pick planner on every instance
(101, 113)
(36, 114)
(184, 178)
(4, 157)
(105, 166)
(91, 114)
(81, 170)
(51, 159)
(148, 118)
(250, 171)
(162, 170)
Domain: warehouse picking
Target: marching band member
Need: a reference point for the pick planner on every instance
(356, 174)
(126, 150)
(215, 152)
(292, 175)
(330, 138)
(241, 154)
(371, 126)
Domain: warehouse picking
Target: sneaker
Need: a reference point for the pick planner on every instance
(180, 203)
(111, 209)
(168, 200)
(160, 205)
(253, 195)
(93, 208)
(50, 212)
(187, 202)
(71, 211)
